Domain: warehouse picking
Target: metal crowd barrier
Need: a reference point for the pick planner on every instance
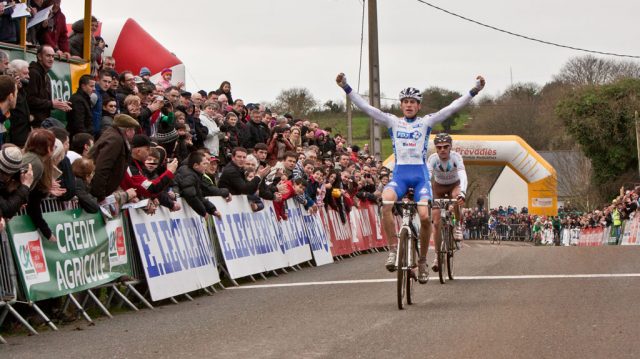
(507, 232)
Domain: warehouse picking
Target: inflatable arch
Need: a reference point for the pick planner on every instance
(514, 152)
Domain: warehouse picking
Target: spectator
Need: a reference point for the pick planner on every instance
(76, 43)
(261, 153)
(145, 74)
(225, 89)
(231, 137)
(135, 176)
(79, 147)
(54, 31)
(20, 122)
(184, 146)
(39, 87)
(111, 154)
(233, 176)
(127, 87)
(83, 171)
(109, 110)
(167, 75)
(4, 61)
(80, 118)
(208, 119)
(210, 177)
(278, 145)
(109, 64)
(67, 179)
(8, 98)
(258, 131)
(189, 181)
(8, 31)
(294, 137)
(15, 181)
(38, 153)
(102, 86)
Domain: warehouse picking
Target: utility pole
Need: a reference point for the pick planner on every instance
(374, 77)
(349, 122)
(637, 140)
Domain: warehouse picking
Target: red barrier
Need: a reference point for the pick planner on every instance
(378, 238)
(340, 234)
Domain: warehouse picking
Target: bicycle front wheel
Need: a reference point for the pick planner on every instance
(450, 248)
(402, 264)
(411, 276)
(441, 252)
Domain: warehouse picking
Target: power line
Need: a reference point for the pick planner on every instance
(526, 37)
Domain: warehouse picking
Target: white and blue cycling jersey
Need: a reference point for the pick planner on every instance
(410, 139)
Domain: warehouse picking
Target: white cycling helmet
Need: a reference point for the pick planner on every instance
(411, 92)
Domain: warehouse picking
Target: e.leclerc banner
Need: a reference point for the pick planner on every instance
(175, 250)
(83, 257)
(255, 242)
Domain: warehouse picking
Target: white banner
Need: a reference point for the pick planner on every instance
(176, 252)
(255, 242)
(318, 238)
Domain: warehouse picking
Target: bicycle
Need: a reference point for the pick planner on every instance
(494, 236)
(447, 242)
(407, 255)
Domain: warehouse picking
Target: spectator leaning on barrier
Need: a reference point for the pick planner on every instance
(79, 146)
(80, 118)
(38, 152)
(15, 180)
(39, 87)
(111, 155)
(189, 180)
(66, 178)
(233, 176)
(83, 172)
(135, 177)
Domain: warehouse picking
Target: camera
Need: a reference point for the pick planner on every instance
(280, 136)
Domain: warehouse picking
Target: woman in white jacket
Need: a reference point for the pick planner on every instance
(208, 118)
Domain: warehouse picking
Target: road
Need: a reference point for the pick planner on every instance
(510, 301)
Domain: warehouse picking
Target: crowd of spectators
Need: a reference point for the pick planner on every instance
(127, 139)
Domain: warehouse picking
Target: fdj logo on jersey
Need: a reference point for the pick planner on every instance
(409, 135)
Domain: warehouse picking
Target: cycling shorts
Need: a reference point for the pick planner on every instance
(411, 176)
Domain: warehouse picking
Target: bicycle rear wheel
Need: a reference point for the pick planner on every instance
(450, 248)
(440, 252)
(402, 264)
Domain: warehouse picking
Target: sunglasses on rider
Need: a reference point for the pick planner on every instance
(442, 147)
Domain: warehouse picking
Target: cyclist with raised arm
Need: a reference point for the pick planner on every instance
(410, 138)
(449, 181)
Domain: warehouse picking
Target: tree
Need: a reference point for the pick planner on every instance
(297, 101)
(601, 119)
(591, 70)
(436, 98)
(334, 107)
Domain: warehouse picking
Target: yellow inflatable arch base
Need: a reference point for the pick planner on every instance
(514, 152)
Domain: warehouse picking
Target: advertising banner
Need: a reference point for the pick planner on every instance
(318, 238)
(256, 242)
(340, 234)
(83, 257)
(175, 249)
(630, 234)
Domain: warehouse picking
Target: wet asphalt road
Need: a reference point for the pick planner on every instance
(475, 316)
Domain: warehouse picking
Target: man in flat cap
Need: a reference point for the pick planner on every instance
(111, 155)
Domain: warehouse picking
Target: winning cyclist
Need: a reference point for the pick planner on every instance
(410, 138)
(449, 181)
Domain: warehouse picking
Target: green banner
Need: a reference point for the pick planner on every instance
(88, 253)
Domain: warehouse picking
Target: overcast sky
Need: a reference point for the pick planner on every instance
(262, 47)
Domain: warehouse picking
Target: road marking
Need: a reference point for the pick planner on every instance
(496, 277)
